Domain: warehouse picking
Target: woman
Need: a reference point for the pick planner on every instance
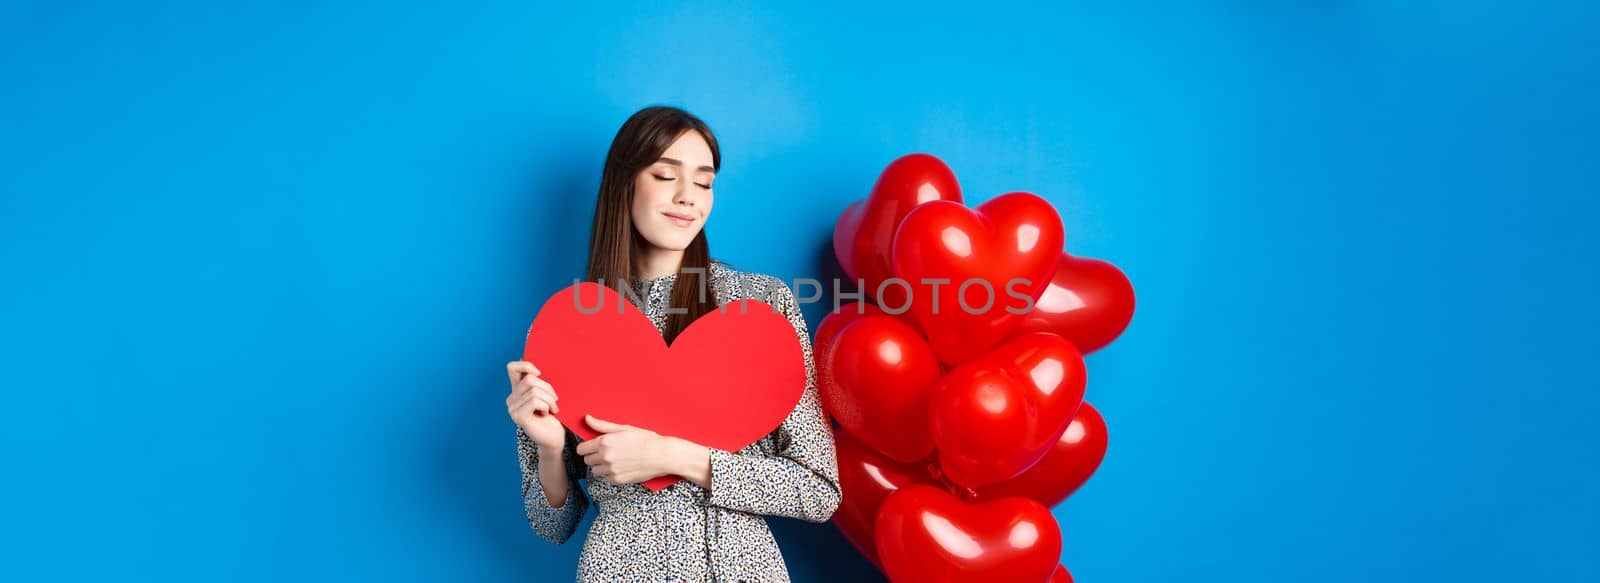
(648, 234)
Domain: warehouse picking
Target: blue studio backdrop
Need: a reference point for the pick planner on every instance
(263, 264)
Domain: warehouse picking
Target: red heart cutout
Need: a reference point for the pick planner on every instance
(996, 416)
(1015, 236)
(925, 534)
(1088, 301)
(866, 479)
(728, 379)
(864, 234)
(1069, 463)
(876, 378)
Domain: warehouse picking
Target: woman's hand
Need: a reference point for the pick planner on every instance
(532, 404)
(625, 454)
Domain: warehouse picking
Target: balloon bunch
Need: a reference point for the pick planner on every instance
(959, 392)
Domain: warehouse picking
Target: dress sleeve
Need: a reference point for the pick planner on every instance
(552, 524)
(801, 479)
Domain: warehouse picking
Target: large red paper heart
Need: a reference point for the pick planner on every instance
(864, 234)
(728, 380)
(925, 534)
(1089, 302)
(994, 260)
(998, 415)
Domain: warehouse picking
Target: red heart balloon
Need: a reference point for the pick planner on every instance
(831, 324)
(925, 534)
(728, 379)
(835, 321)
(1061, 575)
(864, 235)
(995, 260)
(996, 416)
(865, 480)
(1069, 463)
(876, 378)
(1088, 301)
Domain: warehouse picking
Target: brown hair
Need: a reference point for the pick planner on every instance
(613, 241)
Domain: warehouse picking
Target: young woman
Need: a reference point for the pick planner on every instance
(655, 197)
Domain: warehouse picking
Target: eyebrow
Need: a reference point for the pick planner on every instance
(677, 162)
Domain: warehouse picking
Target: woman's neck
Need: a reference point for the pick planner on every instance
(658, 262)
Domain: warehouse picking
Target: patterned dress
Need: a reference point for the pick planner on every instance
(685, 532)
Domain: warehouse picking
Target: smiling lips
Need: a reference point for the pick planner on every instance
(679, 220)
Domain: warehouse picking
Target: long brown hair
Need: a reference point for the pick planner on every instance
(614, 243)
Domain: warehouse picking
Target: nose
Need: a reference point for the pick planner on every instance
(684, 196)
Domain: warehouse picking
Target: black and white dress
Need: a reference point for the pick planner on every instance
(685, 532)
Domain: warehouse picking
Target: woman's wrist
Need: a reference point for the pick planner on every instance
(688, 460)
(552, 449)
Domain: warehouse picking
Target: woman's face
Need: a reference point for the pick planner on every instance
(672, 197)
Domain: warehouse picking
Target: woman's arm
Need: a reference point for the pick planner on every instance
(801, 480)
(553, 478)
(690, 460)
(552, 523)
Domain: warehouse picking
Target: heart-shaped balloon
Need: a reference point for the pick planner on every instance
(993, 261)
(925, 534)
(1088, 301)
(865, 480)
(1069, 463)
(1061, 575)
(863, 237)
(835, 321)
(728, 379)
(996, 416)
(877, 376)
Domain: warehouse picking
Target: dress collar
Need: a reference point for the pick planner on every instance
(716, 271)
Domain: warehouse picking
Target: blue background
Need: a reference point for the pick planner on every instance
(263, 265)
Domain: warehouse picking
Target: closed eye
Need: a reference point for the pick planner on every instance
(705, 186)
(663, 178)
